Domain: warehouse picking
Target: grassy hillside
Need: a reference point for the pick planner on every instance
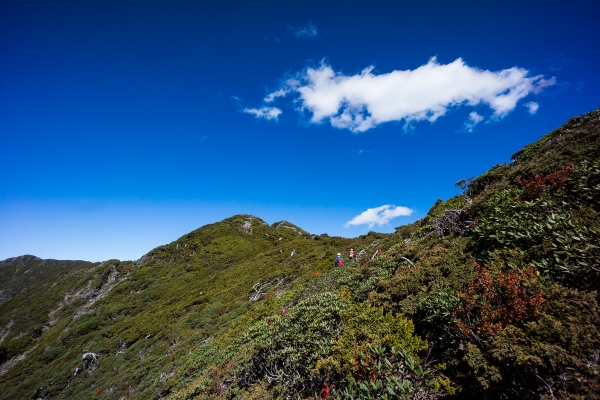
(491, 295)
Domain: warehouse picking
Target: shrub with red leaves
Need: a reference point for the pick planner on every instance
(325, 392)
(535, 186)
(494, 300)
(365, 367)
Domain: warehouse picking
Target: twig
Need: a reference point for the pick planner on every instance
(548, 386)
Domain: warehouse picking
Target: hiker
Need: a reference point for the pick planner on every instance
(339, 261)
(351, 254)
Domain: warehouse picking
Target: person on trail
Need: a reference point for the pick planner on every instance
(351, 254)
(339, 261)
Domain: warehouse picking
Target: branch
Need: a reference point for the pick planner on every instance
(548, 386)
(406, 259)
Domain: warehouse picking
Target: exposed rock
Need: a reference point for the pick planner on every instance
(95, 295)
(141, 260)
(7, 365)
(89, 362)
(288, 225)
(246, 227)
(4, 330)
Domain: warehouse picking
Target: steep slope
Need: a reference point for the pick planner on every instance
(491, 295)
(32, 294)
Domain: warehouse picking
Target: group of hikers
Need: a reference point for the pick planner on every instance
(339, 261)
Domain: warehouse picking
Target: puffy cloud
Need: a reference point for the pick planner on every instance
(532, 106)
(307, 31)
(363, 101)
(379, 215)
(264, 112)
(473, 120)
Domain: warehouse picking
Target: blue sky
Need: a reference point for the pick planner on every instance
(124, 125)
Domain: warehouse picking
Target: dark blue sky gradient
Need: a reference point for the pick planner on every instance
(121, 130)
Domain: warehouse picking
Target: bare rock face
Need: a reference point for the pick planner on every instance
(93, 295)
(246, 227)
(141, 260)
(89, 361)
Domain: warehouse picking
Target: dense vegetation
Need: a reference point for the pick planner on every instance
(491, 295)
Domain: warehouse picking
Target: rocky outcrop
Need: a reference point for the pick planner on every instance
(89, 362)
(112, 280)
(141, 260)
(4, 330)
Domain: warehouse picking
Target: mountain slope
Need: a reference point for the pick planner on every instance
(158, 308)
(491, 295)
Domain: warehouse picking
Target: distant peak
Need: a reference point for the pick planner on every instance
(20, 261)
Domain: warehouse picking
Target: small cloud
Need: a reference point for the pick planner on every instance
(203, 138)
(379, 215)
(532, 106)
(264, 112)
(306, 31)
(542, 84)
(278, 93)
(473, 120)
(476, 118)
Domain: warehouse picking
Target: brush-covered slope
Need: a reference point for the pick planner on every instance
(141, 320)
(491, 295)
(20, 273)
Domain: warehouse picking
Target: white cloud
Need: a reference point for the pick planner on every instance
(273, 95)
(473, 120)
(379, 215)
(365, 100)
(264, 112)
(307, 31)
(532, 106)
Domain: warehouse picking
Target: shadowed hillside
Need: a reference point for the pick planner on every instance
(491, 295)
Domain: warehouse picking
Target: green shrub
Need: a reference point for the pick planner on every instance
(560, 238)
(386, 373)
(286, 347)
